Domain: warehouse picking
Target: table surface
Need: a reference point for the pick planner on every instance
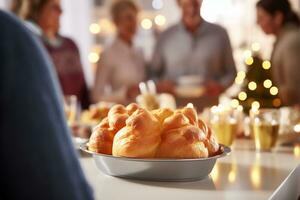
(244, 174)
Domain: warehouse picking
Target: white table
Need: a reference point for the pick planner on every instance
(244, 174)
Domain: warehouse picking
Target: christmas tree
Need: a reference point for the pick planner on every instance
(257, 89)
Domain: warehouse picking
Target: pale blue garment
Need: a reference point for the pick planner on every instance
(37, 159)
(206, 53)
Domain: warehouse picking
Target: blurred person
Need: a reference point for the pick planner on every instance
(194, 47)
(276, 17)
(42, 17)
(121, 66)
(38, 160)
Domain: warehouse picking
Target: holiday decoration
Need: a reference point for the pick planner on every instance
(257, 89)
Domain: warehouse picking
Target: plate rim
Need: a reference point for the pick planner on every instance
(226, 151)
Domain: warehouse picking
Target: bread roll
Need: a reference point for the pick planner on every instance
(102, 138)
(137, 133)
(191, 114)
(180, 139)
(211, 143)
(162, 114)
(131, 108)
(139, 138)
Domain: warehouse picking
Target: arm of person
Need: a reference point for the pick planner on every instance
(157, 66)
(229, 68)
(102, 78)
(38, 160)
(289, 63)
(84, 93)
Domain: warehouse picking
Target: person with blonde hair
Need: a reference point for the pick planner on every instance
(121, 65)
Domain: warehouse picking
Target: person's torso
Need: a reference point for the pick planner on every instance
(126, 63)
(66, 60)
(187, 54)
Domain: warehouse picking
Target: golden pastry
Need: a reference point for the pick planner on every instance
(139, 138)
(134, 132)
(101, 139)
(180, 139)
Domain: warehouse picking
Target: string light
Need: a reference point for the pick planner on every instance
(238, 80)
(241, 74)
(297, 129)
(160, 20)
(277, 102)
(274, 90)
(247, 54)
(94, 57)
(255, 105)
(249, 61)
(267, 83)
(146, 24)
(266, 64)
(234, 103)
(242, 96)
(95, 28)
(255, 46)
(240, 77)
(252, 85)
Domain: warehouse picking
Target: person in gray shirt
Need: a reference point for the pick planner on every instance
(194, 47)
(37, 157)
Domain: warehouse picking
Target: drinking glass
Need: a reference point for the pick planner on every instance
(224, 124)
(265, 128)
(71, 108)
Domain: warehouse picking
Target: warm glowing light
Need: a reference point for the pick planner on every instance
(146, 24)
(297, 128)
(238, 80)
(297, 151)
(231, 176)
(255, 105)
(240, 108)
(268, 83)
(277, 102)
(249, 61)
(106, 25)
(241, 74)
(274, 90)
(266, 65)
(157, 4)
(190, 105)
(252, 85)
(240, 77)
(94, 57)
(160, 20)
(247, 54)
(214, 109)
(256, 176)
(234, 103)
(95, 28)
(255, 46)
(242, 96)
